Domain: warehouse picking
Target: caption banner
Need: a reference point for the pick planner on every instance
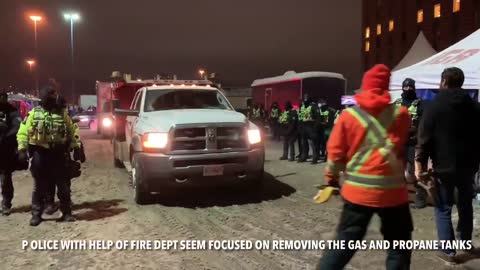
(236, 245)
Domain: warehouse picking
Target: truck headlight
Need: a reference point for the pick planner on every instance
(107, 122)
(155, 140)
(254, 136)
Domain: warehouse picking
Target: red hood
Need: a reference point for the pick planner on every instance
(374, 95)
(372, 102)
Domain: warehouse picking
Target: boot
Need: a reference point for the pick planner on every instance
(314, 162)
(51, 209)
(283, 158)
(291, 159)
(68, 218)
(6, 210)
(35, 220)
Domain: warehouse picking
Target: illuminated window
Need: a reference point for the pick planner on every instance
(367, 46)
(436, 11)
(367, 32)
(379, 29)
(420, 16)
(391, 25)
(456, 5)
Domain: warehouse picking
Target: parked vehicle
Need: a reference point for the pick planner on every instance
(292, 86)
(86, 119)
(186, 135)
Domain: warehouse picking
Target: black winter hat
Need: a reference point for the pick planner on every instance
(409, 82)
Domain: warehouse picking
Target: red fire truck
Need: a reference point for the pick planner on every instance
(112, 95)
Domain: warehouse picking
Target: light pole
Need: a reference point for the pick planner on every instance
(35, 19)
(72, 17)
(30, 64)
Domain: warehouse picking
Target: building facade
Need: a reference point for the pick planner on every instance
(390, 27)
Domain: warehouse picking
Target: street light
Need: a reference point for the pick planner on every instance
(36, 19)
(201, 72)
(30, 64)
(72, 17)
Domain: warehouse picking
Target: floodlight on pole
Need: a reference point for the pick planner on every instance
(36, 19)
(72, 17)
(30, 63)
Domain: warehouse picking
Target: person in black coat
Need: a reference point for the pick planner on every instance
(10, 120)
(449, 134)
(415, 107)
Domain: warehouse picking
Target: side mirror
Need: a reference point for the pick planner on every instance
(121, 112)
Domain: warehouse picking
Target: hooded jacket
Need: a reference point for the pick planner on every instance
(348, 136)
(8, 142)
(449, 134)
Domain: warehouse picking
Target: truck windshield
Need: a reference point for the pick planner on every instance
(174, 99)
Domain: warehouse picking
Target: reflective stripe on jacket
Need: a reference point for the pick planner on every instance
(283, 118)
(43, 128)
(274, 113)
(370, 151)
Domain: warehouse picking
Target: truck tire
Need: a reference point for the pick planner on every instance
(140, 196)
(117, 163)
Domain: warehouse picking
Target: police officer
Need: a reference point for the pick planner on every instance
(274, 115)
(327, 118)
(50, 196)
(288, 122)
(9, 123)
(415, 106)
(45, 133)
(257, 116)
(300, 129)
(309, 111)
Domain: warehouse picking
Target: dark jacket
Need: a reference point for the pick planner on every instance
(449, 133)
(412, 133)
(8, 135)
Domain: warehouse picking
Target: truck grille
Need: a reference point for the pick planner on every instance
(201, 162)
(189, 145)
(209, 138)
(190, 132)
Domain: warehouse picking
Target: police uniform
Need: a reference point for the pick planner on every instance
(45, 134)
(415, 110)
(257, 117)
(9, 123)
(288, 121)
(309, 112)
(274, 117)
(327, 118)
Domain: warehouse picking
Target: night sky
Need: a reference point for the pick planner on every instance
(240, 40)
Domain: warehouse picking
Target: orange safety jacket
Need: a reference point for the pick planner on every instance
(369, 150)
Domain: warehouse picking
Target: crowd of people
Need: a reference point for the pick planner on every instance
(308, 126)
(379, 146)
(372, 142)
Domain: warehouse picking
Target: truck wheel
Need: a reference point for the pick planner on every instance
(117, 163)
(139, 196)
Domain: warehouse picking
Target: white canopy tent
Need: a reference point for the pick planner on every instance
(464, 54)
(420, 50)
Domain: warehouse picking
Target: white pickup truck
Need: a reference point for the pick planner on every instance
(187, 136)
